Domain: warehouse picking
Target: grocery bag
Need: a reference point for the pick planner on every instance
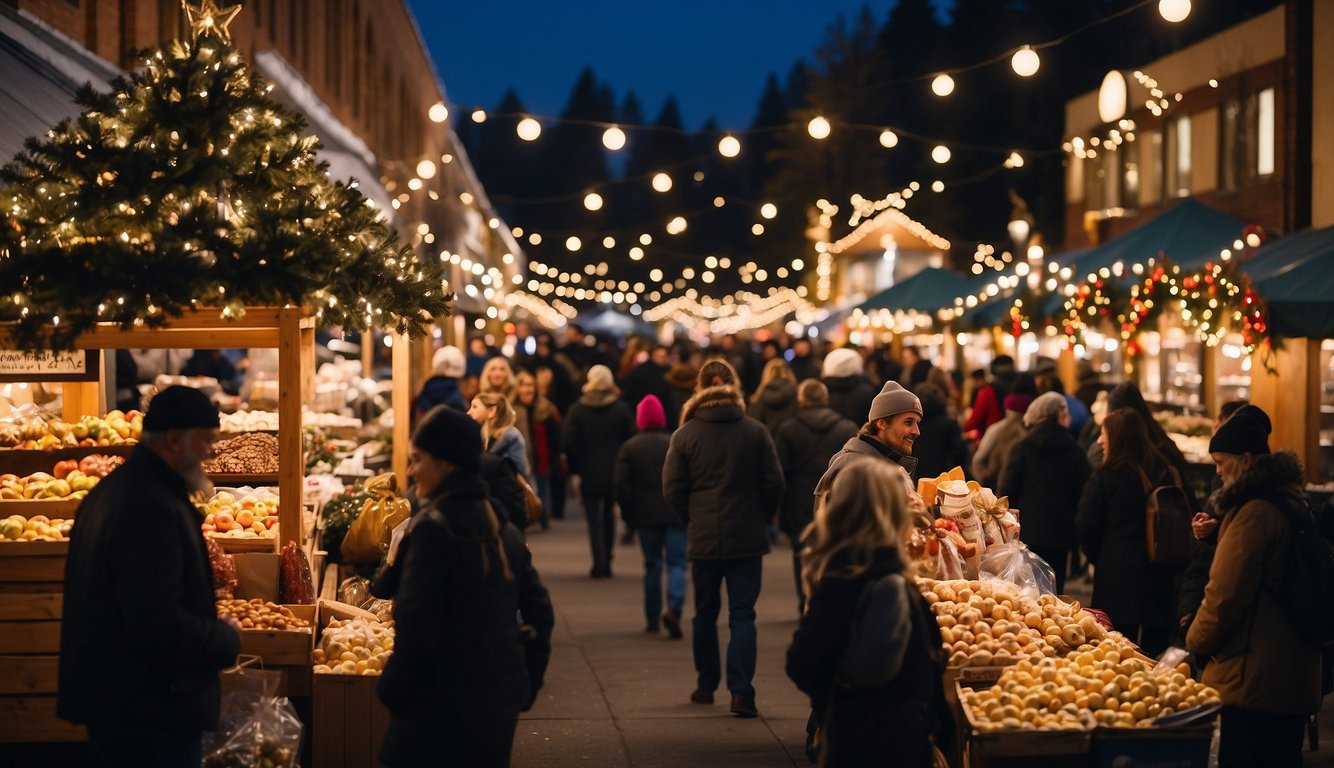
(367, 540)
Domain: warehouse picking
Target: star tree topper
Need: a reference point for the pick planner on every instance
(207, 18)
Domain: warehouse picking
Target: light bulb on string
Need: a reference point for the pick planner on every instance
(942, 85)
(818, 128)
(1025, 62)
(426, 169)
(729, 146)
(1174, 11)
(479, 115)
(889, 139)
(438, 113)
(593, 201)
(528, 129)
(941, 154)
(662, 182)
(573, 243)
(613, 138)
(768, 210)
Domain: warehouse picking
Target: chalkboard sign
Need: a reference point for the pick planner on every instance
(77, 365)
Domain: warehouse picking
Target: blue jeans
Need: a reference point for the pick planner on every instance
(743, 589)
(656, 540)
(543, 489)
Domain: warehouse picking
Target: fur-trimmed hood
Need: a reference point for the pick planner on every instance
(681, 376)
(600, 398)
(1274, 474)
(720, 397)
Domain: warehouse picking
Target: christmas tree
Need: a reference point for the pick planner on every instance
(188, 186)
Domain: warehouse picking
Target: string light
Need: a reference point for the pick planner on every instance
(729, 146)
(941, 154)
(613, 138)
(662, 182)
(438, 113)
(1174, 11)
(593, 201)
(942, 85)
(1025, 62)
(889, 139)
(528, 129)
(818, 128)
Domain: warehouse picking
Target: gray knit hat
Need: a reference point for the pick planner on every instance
(892, 400)
(1047, 407)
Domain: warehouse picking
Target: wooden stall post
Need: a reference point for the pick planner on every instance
(402, 405)
(291, 474)
(1289, 395)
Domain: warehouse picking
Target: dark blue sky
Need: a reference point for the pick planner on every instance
(713, 54)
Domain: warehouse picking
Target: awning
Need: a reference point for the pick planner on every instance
(928, 291)
(1189, 234)
(1295, 277)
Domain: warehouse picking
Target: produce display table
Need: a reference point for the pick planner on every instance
(31, 586)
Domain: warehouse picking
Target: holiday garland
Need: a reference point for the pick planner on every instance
(188, 186)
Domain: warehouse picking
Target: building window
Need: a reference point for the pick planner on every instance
(1264, 133)
(1178, 163)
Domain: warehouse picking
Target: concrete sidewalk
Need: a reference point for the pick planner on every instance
(617, 696)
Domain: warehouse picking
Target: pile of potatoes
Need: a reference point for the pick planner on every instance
(260, 614)
(356, 646)
(995, 623)
(1104, 685)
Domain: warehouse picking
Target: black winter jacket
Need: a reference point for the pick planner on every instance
(438, 390)
(805, 445)
(1044, 477)
(851, 396)
(1127, 586)
(940, 447)
(639, 480)
(594, 430)
(722, 477)
(140, 640)
(646, 379)
(459, 662)
(895, 724)
(774, 404)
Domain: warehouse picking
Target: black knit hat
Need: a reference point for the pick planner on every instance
(451, 435)
(180, 407)
(1246, 432)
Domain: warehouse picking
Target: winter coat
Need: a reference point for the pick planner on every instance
(680, 388)
(804, 368)
(646, 379)
(140, 640)
(860, 447)
(594, 430)
(501, 478)
(774, 404)
(940, 445)
(1258, 661)
(1191, 592)
(993, 451)
(438, 390)
(894, 724)
(1110, 522)
(722, 477)
(459, 663)
(851, 396)
(639, 480)
(987, 410)
(805, 445)
(540, 426)
(1043, 477)
(509, 444)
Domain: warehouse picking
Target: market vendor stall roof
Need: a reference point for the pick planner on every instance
(1295, 277)
(1189, 234)
(930, 290)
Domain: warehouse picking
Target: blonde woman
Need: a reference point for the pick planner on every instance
(856, 539)
(497, 376)
(499, 435)
(775, 401)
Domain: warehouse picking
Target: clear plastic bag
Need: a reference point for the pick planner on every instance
(269, 738)
(355, 590)
(1017, 564)
(383, 609)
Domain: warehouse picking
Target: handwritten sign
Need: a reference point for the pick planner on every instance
(17, 366)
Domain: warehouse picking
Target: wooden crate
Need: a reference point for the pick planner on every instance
(349, 724)
(282, 647)
(1181, 746)
(52, 508)
(232, 544)
(33, 719)
(1021, 749)
(33, 566)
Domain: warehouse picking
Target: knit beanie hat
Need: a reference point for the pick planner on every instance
(178, 407)
(1246, 432)
(1017, 402)
(1047, 407)
(649, 414)
(600, 380)
(892, 400)
(842, 362)
(448, 361)
(451, 435)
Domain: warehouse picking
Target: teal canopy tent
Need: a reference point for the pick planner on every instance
(1295, 277)
(928, 291)
(1188, 234)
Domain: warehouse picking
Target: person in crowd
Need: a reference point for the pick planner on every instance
(575, 353)
(884, 365)
(469, 387)
(1048, 379)
(803, 363)
(152, 363)
(595, 428)
(478, 353)
(1138, 596)
(539, 423)
(463, 667)
(940, 445)
(776, 400)
(850, 392)
(547, 381)
(213, 364)
(559, 388)
(805, 444)
(127, 379)
(920, 373)
(447, 365)
(138, 589)
(1267, 675)
(497, 377)
(910, 357)
(856, 540)
(680, 380)
(1044, 478)
(977, 379)
(499, 435)
(648, 378)
(1127, 395)
(1090, 384)
(738, 354)
(1204, 526)
(662, 534)
(943, 381)
(722, 477)
(893, 423)
(989, 406)
(636, 352)
(994, 449)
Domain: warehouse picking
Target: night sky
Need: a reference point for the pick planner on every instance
(713, 54)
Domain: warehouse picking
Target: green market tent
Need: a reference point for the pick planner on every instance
(1295, 277)
(1188, 234)
(928, 291)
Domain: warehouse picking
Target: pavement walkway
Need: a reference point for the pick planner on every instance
(617, 696)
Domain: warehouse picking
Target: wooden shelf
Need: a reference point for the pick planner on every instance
(52, 508)
(24, 463)
(236, 480)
